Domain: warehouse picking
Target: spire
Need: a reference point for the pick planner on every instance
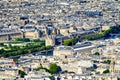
(112, 64)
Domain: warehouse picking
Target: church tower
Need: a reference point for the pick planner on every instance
(50, 41)
(112, 66)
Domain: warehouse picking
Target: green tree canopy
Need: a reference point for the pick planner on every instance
(106, 71)
(37, 40)
(107, 61)
(53, 68)
(1, 44)
(48, 47)
(22, 73)
(96, 53)
(23, 39)
(70, 42)
(106, 33)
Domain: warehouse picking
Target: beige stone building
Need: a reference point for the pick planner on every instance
(8, 74)
(3, 38)
(31, 34)
(115, 78)
(71, 29)
(13, 36)
(114, 67)
(64, 32)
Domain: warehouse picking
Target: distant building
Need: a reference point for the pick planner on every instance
(8, 73)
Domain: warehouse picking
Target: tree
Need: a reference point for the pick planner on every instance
(1, 44)
(36, 40)
(107, 61)
(22, 73)
(48, 47)
(97, 53)
(106, 71)
(15, 59)
(105, 34)
(51, 77)
(70, 42)
(53, 68)
(23, 39)
(2, 51)
(19, 50)
(6, 55)
(39, 68)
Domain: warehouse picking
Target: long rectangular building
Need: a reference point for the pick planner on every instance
(10, 34)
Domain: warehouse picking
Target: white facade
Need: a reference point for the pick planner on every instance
(62, 50)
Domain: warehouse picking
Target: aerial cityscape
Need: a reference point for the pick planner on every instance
(59, 39)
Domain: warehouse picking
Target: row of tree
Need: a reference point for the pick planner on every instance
(70, 42)
(23, 39)
(28, 40)
(107, 33)
(104, 34)
(29, 48)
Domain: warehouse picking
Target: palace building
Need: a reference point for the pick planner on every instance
(10, 34)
